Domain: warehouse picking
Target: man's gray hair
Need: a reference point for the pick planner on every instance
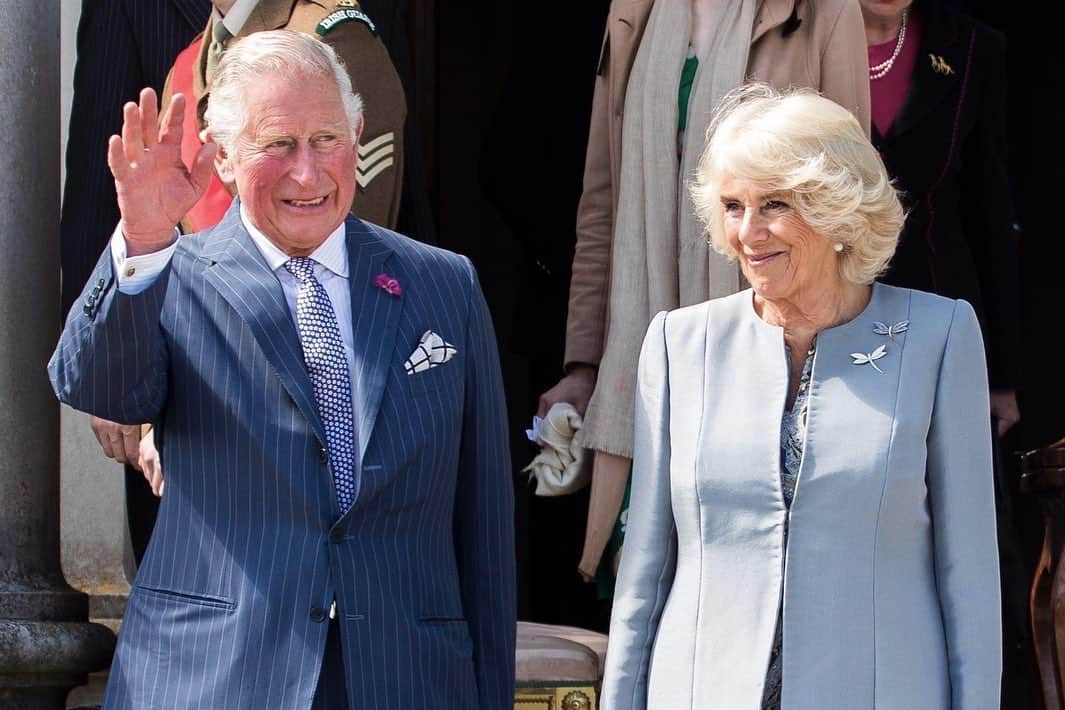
(293, 55)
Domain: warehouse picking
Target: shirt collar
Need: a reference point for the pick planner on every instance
(237, 17)
(332, 253)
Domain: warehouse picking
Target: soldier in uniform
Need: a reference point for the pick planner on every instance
(344, 26)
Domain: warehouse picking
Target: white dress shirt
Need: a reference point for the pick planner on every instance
(136, 273)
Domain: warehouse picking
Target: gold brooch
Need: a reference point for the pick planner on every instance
(939, 65)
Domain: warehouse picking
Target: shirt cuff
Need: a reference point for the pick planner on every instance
(136, 273)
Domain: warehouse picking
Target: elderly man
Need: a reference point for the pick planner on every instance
(391, 184)
(337, 525)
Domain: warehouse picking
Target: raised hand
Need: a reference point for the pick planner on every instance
(155, 188)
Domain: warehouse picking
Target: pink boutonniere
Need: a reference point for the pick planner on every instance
(389, 284)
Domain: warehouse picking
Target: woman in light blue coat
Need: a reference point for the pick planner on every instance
(812, 523)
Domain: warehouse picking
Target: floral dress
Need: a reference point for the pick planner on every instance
(792, 439)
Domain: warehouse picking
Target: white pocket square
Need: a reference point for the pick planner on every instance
(432, 350)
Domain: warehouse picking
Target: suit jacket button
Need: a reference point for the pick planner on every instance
(323, 455)
(318, 615)
(336, 536)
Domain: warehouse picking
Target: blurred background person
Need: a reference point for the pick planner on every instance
(938, 85)
(390, 184)
(663, 67)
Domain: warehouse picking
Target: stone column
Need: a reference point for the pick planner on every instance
(46, 644)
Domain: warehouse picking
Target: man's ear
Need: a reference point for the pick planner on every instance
(358, 129)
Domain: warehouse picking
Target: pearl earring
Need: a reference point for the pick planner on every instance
(838, 247)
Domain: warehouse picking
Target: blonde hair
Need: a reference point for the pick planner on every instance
(293, 55)
(802, 144)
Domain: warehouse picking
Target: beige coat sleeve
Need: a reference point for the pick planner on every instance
(845, 64)
(590, 282)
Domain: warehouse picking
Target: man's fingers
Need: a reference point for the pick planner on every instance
(157, 479)
(153, 472)
(149, 109)
(116, 158)
(131, 445)
(132, 142)
(170, 129)
(106, 445)
(203, 167)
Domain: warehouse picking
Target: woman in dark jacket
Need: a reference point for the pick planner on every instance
(938, 84)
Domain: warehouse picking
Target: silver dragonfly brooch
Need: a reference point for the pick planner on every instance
(881, 328)
(870, 358)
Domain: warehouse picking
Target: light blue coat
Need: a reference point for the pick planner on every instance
(891, 590)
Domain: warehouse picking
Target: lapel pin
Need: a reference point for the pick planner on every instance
(388, 284)
(891, 330)
(939, 65)
(870, 358)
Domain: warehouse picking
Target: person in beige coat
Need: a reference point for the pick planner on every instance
(639, 246)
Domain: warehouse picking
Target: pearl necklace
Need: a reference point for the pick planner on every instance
(879, 71)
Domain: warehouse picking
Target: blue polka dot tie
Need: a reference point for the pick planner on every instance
(323, 353)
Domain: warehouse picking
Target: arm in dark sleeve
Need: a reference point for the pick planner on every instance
(107, 74)
(987, 212)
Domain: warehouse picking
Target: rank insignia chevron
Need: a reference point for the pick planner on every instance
(375, 157)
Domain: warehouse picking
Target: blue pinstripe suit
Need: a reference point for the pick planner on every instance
(250, 547)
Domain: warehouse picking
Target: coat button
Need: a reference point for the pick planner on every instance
(336, 536)
(323, 455)
(318, 615)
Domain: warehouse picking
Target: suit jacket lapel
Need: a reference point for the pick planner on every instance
(928, 87)
(375, 319)
(242, 277)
